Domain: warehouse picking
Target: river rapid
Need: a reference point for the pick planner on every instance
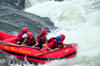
(79, 20)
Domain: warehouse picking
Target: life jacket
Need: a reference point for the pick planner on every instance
(30, 43)
(19, 37)
(55, 42)
(42, 41)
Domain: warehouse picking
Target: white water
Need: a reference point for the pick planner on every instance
(79, 20)
(29, 3)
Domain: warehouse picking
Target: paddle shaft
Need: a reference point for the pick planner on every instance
(68, 45)
(6, 43)
(46, 52)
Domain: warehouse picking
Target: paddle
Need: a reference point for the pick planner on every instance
(6, 43)
(69, 45)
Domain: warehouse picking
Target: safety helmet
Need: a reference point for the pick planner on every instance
(58, 38)
(62, 36)
(25, 30)
(44, 31)
(29, 34)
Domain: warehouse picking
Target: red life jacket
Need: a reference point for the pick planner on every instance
(19, 37)
(55, 42)
(41, 41)
(30, 43)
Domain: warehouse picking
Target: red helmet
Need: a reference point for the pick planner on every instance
(29, 34)
(62, 36)
(25, 30)
(44, 31)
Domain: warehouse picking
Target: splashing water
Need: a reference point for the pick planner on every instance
(79, 21)
(29, 3)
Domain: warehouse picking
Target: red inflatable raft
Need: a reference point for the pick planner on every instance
(29, 53)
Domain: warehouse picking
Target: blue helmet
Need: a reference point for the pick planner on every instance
(58, 38)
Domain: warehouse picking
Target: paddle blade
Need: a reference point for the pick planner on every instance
(4, 43)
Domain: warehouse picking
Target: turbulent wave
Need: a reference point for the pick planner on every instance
(79, 21)
(29, 3)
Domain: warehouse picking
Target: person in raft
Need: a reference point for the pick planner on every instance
(54, 43)
(30, 41)
(21, 36)
(41, 38)
(63, 38)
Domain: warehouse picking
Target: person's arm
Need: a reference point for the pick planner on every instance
(56, 49)
(46, 40)
(63, 44)
(36, 43)
(67, 45)
(50, 45)
(25, 41)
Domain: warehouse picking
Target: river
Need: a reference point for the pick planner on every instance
(79, 20)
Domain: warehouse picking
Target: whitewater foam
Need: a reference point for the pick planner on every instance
(79, 20)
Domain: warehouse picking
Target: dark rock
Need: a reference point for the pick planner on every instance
(12, 19)
(17, 4)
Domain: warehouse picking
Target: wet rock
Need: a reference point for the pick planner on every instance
(17, 4)
(12, 18)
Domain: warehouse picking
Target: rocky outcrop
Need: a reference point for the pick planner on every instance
(18, 4)
(13, 18)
